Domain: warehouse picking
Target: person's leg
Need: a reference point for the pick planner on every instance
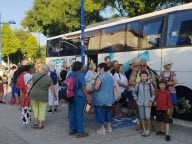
(42, 112)
(72, 116)
(174, 102)
(100, 117)
(148, 119)
(80, 103)
(1, 97)
(35, 107)
(108, 118)
(142, 117)
(17, 98)
(50, 101)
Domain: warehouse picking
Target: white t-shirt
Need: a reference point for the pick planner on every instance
(122, 78)
(27, 78)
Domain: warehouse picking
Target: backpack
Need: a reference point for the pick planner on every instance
(53, 76)
(67, 88)
(20, 84)
(149, 89)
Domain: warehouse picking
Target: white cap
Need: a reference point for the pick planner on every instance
(168, 62)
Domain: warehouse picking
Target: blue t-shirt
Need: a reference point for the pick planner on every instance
(79, 83)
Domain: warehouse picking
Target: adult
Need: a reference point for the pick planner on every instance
(107, 59)
(104, 98)
(76, 105)
(63, 72)
(170, 77)
(38, 64)
(54, 76)
(130, 103)
(90, 76)
(38, 92)
(123, 85)
(1, 88)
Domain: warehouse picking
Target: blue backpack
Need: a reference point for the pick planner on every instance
(53, 76)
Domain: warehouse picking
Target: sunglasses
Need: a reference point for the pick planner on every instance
(142, 65)
(130, 64)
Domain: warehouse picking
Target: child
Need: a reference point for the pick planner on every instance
(144, 95)
(163, 105)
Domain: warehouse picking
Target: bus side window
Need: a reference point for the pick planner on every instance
(151, 33)
(179, 30)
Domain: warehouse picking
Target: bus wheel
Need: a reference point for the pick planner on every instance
(183, 108)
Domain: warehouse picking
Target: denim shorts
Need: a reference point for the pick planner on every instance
(144, 112)
(103, 114)
(174, 98)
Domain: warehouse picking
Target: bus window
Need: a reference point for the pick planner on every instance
(151, 33)
(53, 47)
(70, 47)
(179, 30)
(113, 39)
(132, 36)
(92, 41)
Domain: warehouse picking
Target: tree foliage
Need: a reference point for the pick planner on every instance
(22, 35)
(10, 43)
(54, 17)
(31, 47)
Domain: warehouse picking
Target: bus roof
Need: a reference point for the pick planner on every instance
(126, 20)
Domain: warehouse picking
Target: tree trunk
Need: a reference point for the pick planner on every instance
(8, 62)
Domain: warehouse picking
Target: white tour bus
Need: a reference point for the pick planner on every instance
(156, 37)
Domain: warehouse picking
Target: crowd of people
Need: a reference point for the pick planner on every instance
(106, 87)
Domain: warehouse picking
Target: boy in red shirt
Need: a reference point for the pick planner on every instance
(163, 105)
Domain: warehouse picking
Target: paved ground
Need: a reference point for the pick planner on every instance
(56, 131)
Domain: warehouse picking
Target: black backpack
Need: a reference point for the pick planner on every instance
(53, 76)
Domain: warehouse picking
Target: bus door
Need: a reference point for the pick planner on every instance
(92, 59)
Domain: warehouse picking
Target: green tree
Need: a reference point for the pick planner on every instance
(54, 17)
(10, 43)
(31, 47)
(137, 7)
(22, 35)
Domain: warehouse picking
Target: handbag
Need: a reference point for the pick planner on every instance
(26, 112)
(117, 92)
(90, 86)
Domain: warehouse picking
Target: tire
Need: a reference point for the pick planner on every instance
(183, 108)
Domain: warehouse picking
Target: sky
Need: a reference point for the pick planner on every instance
(15, 10)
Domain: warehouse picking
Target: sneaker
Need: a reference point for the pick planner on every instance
(147, 133)
(82, 135)
(160, 133)
(136, 120)
(109, 130)
(167, 137)
(50, 110)
(143, 134)
(101, 131)
(170, 120)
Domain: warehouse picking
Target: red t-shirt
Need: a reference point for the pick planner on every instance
(163, 99)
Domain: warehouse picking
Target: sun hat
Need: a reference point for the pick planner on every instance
(51, 65)
(168, 62)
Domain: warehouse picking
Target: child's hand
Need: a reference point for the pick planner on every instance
(155, 104)
(168, 112)
(150, 104)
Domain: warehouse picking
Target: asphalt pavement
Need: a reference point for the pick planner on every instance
(56, 131)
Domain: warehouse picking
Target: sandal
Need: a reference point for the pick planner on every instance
(35, 125)
(41, 127)
(82, 135)
(72, 132)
